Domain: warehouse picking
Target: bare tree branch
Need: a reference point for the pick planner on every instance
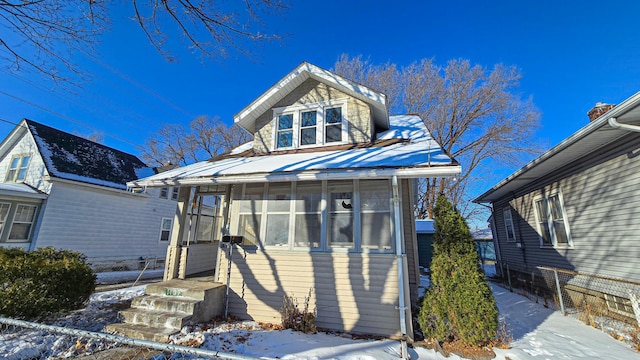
(43, 35)
(473, 113)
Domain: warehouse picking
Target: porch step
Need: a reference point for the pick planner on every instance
(167, 306)
(164, 319)
(165, 303)
(141, 332)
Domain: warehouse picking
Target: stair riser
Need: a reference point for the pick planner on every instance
(176, 292)
(137, 334)
(154, 320)
(169, 305)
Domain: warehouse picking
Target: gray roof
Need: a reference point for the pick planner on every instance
(584, 142)
(71, 157)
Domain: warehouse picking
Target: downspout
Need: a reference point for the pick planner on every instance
(36, 230)
(400, 256)
(616, 125)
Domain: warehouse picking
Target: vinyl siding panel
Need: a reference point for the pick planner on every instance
(351, 292)
(602, 202)
(360, 125)
(105, 225)
(36, 170)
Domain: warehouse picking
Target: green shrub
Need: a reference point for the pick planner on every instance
(44, 281)
(459, 306)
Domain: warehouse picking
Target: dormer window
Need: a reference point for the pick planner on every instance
(310, 125)
(18, 168)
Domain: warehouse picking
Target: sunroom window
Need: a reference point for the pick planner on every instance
(340, 214)
(249, 212)
(308, 213)
(375, 214)
(22, 222)
(278, 210)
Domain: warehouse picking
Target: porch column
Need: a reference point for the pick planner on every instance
(180, 229)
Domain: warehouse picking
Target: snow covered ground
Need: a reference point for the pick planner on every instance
(538, 333)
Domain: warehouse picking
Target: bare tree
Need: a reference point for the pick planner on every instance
(44, 34)
(475, 114)
(204, 138)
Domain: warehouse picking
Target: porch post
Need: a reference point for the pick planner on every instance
(180, 228)
(224, 229)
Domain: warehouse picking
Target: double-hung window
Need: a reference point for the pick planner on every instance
(308, 214)
(18, 168)
(249, 203)
(340, 214)
(165, 229)
(508, 225)
(22, 223)
(551, 218)
(310, 125)
(278, 214)
(375, 214)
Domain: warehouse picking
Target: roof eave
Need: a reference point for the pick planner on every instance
(599, 123)
(347, 174)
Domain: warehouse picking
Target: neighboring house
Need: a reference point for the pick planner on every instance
(483, 239)
(64, 191)
(425, 230)
(576, 206)
(321, 200)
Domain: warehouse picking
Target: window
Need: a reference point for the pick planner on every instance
(18, 168)
(552, 226)
(278, 210)
(340, 214)
(4, 211)
(310, 125)
(165, 229)
(308, 214)
(174, 193)
(508, 225)
(22, 223)
(333, 124)
(164, 193)
(249, 212)
(619, 305)
(375, 214)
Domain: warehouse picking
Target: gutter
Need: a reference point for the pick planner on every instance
(425, 172)
(613, 122)
(400, 256)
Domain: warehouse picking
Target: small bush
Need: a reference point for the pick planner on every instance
(296, 319)
(44, 281)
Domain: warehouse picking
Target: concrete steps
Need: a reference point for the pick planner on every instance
(169, 305)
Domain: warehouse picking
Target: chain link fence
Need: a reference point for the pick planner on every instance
(28, 340)
(590, 297)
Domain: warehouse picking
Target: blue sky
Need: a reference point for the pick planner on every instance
(572, 54)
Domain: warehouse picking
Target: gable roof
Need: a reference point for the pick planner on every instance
(418, 156)
(592, 137)
(71, 157)
(378, 101)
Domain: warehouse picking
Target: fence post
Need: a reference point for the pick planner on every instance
(555, 274)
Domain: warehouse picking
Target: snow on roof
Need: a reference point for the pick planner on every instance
(419, 151)
(71, 157)
(24, 190)
(425, 226)
(482, 234)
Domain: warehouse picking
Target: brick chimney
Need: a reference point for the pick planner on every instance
(599, 109)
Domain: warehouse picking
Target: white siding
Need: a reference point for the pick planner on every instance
(105, 225)
(35, 172)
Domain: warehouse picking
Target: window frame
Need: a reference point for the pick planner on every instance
(13, 174)
(164, 193)
(324, 212)
(505, 211)
(162, 229)
(31, 223)
(175, 192)
(320, 109)
(545, 199)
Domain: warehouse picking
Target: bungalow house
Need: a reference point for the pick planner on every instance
(575, 206)
(60, 190)
(320, 203)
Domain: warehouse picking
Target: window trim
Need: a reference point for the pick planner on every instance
(162, 229)
(32, 223)
(19, 168)
(552, 233)
(505, 211)
(320, 109)
(175, 192)
(324, 246)
(164, 193)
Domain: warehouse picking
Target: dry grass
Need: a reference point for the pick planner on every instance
(295, 318)
(635, 338)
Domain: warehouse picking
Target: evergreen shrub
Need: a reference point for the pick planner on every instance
(44, 281)
(459, 306)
